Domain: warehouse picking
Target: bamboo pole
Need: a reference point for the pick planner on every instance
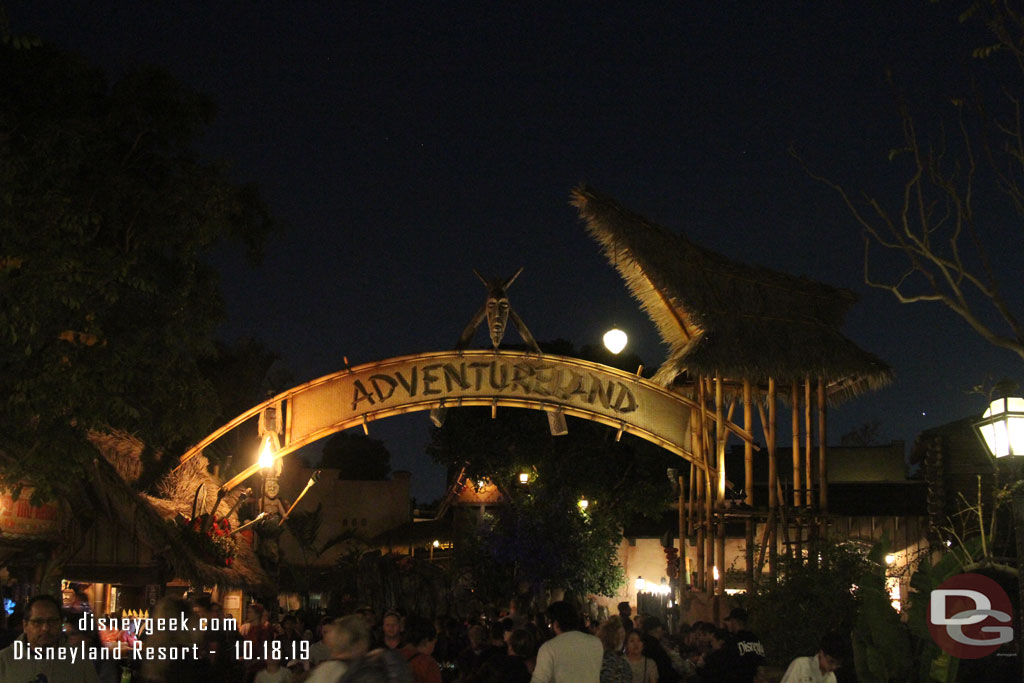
(709, 537)
(702, 474)
(748, 481)
(693, 496)
(721, 436)
(797, 492)
(822, 455)
(809, 474)
(681, 576)
(773, 479)
(797, 467)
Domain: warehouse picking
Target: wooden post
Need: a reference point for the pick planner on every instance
(809, 431)
(797, 491)
(822, 457)
(773, 480)
(748, 481)
(721, 436)
(693, 496)
(681, 581)
(797, 466)
(702, 474)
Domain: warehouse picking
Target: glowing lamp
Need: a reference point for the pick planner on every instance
(640, 583)
(615, 340)
(890, 558)
(584, 503)
(266, 459)
(524, 478)
(1002, 427)
(436, 543)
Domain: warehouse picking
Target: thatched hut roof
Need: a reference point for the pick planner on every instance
(153, 515)
(720, 316)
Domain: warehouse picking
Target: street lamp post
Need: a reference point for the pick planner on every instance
(1001, 430)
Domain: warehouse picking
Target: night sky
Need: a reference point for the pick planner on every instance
(404, 144)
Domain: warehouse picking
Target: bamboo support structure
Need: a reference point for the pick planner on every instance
(693, 496)
(721, 436)
(822, 455)
(797, 464)
(797, 491)
(698, 518)
(773, 478)
(808, 433)
(681, 580)
(748, 481)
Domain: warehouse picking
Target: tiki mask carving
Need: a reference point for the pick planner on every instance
(497, 306)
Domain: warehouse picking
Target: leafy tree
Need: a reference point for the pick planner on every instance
(243, 374)
(357, 457)
(107, 302)
(938, 237)
(542, 536)
(791, 611)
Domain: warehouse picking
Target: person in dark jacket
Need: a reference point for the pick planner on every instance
(745, 647)
(653, 649)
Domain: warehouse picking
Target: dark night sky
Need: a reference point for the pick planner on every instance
(405, 144)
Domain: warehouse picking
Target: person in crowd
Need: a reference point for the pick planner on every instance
(348, 640)
(625, 612)
(522, 645)
(171, 613)
(449, 640)
(107, 670)
(653, 631)
(571, 656)
(420, 638)
(614, 669)
(318, 650)
(820, 667)
(41, 627)
(469, 659)
(718, 664)
(746, 648)
(274, 672)
(510, 666)
(515, 613)
(643, 669)
(391, 625)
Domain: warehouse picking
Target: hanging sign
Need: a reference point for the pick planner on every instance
(21, 518)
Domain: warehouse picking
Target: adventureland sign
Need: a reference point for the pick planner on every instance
(495, 378)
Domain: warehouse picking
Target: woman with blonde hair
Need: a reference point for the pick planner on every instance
(614, 668)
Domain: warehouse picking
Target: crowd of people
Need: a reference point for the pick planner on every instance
(559, 645)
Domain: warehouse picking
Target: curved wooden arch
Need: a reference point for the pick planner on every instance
(359, 395)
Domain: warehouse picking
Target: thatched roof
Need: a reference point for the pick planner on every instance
(720, 316)
(153, 515)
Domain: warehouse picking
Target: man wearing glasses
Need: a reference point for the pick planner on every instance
(42, 626)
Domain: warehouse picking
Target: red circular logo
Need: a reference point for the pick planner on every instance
(969, 616)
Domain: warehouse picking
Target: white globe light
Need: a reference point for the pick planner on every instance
(615, 340)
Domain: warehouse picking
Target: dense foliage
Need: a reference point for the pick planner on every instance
(791, 612)
(107, 302)
(542, 537)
